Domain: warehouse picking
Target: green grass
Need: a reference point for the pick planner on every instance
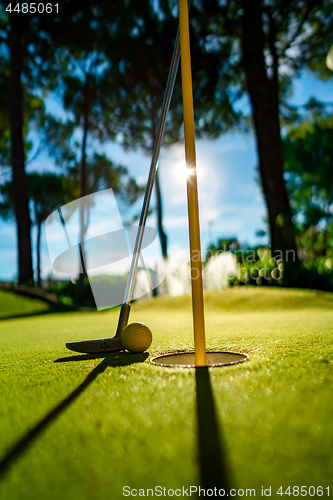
(136, 424)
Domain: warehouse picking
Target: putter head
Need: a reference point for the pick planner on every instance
(97, 345)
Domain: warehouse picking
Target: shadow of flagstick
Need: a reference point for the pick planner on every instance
(212, 460)
(29, 438)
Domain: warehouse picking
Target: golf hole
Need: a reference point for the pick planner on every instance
(187, 360)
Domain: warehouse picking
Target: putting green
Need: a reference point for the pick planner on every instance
(86, 427)
(12, 304)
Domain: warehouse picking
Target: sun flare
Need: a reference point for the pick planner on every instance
(182, 172)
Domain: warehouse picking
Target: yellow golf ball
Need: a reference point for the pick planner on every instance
(136, 337)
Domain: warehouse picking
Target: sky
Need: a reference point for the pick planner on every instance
(230, 198)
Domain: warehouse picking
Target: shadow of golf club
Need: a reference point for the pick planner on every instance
(118, 359)
(212, 462)
(84, 357)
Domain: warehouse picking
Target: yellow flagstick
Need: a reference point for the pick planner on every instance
(192, 188)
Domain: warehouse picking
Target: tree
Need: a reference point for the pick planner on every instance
(81, 98)
(139, 80)
(20, 111)
(262, 45)
(99, 173)
(139, 77)
(47, 193)
(18, 26)
(27, 37)
(264, 96)
(309, 172)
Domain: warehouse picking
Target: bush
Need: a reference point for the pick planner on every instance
(318, 276)
(67, 293)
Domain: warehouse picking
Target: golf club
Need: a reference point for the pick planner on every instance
(114, 343)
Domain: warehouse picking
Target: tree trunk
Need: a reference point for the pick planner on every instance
(39, 230)
(83, 182)
(264, 98)
(20, 185)
(163, 237)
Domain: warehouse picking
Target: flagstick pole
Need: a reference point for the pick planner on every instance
(192, 189)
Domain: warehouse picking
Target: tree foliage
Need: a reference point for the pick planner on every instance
(309, 172)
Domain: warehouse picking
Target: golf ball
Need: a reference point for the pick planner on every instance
(136, 337)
